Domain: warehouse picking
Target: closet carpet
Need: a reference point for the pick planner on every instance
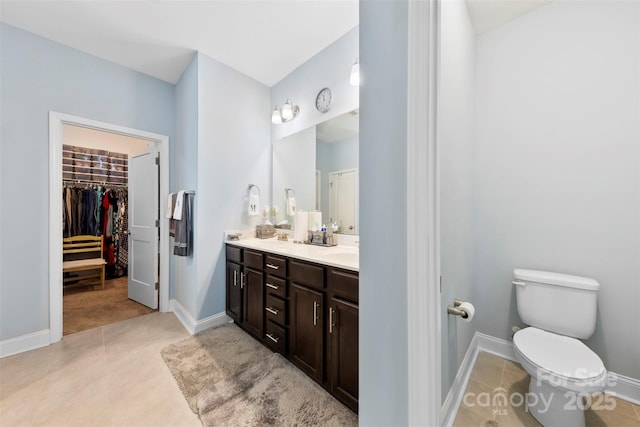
(90, 307)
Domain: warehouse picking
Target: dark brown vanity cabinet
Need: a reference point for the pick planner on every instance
(342, 336)
(245, 289)
(306, 329)
(275, 306)
(234, 293)
(308, 312)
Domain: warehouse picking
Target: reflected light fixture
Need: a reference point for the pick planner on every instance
(354, 79)
(288, 112)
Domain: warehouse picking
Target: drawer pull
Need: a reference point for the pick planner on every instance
(272, 311)
(275, 267)
(272, 338)
(269, 285)
(241, 280)
(235, 277)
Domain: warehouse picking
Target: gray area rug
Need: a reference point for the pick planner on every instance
(271, 392)
(202, 360)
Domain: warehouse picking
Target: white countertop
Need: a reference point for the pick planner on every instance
(347, 257)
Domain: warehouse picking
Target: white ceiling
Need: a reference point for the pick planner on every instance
(339, 128)
(488, 14)
(264, 39)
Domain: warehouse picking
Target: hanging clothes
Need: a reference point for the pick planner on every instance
(99, 211)
(123, 237)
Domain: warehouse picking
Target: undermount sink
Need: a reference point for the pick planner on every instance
(345, 257)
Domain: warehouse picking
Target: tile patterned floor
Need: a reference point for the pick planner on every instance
(108, 376)
(492, 374)
(115, 376)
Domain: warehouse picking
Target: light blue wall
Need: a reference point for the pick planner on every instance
(234, 150)
(38, 76)
(456, 141)
(557, 164)
(184, 174)
(330, 68)
(383, 239)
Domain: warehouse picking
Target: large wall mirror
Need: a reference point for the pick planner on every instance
(319, 166)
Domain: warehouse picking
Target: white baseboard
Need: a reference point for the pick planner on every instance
(194, 326)
(623, 387)
(25, 343)
(626, 388)
(454, 397)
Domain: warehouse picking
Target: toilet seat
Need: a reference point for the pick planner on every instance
(563, 361)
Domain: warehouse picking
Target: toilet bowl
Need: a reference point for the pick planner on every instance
(559, 308)
(563, 371)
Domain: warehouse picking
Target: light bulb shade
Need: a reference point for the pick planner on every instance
(276, 116)
(287, 111)
(354, 79)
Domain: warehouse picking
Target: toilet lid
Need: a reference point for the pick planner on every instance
(563, 356)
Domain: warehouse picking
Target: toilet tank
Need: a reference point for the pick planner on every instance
(556, 302)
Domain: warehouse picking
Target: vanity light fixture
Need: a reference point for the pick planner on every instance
(288, 112)
(276, 116)
(354, 79)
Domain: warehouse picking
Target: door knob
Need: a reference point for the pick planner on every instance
(128, 232)
(351, 227)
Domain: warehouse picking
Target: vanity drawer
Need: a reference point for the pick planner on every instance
(275, 337)
(253, 259)
(275, 310)
(234, 254)
(343, 283)
(276, 286)
(306, 274)
(276, 266)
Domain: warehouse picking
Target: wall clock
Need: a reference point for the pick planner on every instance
(323, 100)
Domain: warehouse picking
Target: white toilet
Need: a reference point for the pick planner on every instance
(559, 309)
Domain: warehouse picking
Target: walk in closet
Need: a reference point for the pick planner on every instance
(95, 200)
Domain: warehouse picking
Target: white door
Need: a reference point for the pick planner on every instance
(143, 232)
(343, 199)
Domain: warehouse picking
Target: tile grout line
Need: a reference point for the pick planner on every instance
(495, 413)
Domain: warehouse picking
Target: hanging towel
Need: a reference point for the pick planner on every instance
(291, 206)
(171, 200)
(183, 243)
(254, 202)
(177, 211)
(172, 222)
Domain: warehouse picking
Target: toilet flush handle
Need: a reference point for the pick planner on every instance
(519, 283)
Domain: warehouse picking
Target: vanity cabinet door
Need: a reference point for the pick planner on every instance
(306, 343)
(342, 354)
(253, 301)
(234, 291)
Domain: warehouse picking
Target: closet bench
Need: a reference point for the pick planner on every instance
(86, 252)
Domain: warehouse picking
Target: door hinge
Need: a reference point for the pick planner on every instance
(158, 159)
(157, 285)
(157, 223)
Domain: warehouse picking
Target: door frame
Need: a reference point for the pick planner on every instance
(56, 122)
(424, 329)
